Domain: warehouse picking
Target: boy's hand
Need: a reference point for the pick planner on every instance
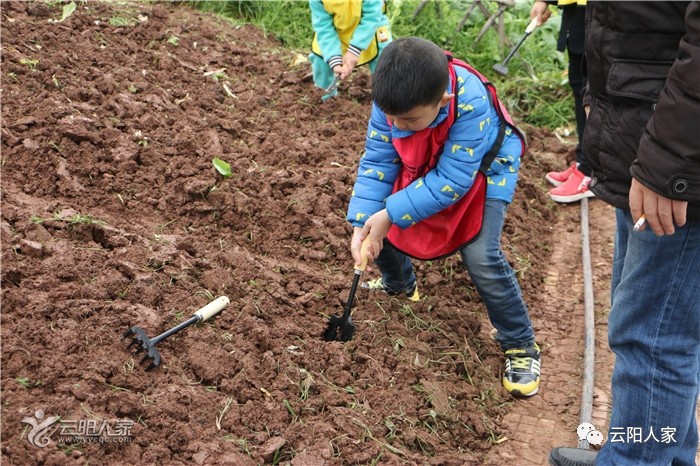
(376, 227)
(349, 63)
(338, 69)
(540, 10)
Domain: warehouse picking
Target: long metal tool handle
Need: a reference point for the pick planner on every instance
(166, 334)
(528, 30)
(201, 315)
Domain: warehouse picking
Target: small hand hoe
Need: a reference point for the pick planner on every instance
(341, 328)
(148, 346)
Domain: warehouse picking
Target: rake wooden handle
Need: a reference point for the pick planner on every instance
(213, 308)
(201, 315)
(363, 254)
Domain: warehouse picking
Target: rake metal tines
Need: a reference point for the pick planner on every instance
(143, 345)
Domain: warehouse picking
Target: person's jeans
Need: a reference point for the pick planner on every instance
(494, 278)
(654, 331)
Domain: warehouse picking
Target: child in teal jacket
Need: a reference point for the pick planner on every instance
(348, 33)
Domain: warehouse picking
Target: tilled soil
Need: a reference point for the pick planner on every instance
(113, 215)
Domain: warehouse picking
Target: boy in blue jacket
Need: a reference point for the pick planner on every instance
(434, 120)
(348, 33)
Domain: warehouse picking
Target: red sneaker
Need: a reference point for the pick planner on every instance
(572, 190)
(557, 178)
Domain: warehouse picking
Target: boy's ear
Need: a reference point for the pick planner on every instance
(445, 99)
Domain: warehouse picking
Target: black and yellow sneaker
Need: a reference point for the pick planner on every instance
(378, 285)
(522, 374)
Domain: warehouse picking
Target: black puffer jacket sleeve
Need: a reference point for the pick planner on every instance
(668, 158)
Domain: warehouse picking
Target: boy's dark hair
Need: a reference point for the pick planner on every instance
(410, 72)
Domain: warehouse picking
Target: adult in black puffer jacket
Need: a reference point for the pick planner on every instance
(643, 141)
(633, 72)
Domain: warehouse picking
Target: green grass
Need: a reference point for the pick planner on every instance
(26, 383)
(288, 20)
(535, 91)
(76, 219)
(122, 21)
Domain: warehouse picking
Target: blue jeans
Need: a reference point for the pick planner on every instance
(494, 278)
(654, 331)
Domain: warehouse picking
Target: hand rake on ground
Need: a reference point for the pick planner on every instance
(148, 346)
(342, 328)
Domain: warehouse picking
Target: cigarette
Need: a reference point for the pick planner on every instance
(642, 220)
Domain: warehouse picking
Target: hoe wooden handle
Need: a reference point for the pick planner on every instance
(532, 26)
(363, 254)
(213, 308)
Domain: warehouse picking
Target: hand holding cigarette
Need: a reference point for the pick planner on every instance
(651, 209)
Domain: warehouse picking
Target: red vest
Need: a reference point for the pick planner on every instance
(454, 227)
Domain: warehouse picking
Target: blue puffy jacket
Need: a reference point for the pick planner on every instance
(471, 136)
